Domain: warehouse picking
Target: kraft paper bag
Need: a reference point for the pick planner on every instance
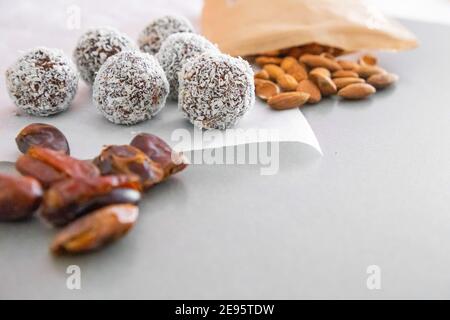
(250, 27)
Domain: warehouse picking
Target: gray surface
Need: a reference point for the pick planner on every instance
(380, 195)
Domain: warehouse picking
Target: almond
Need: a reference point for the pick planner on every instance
(348, 65)
(343, 82)
(310, 88)
(288, 63)
(274, 71)
(345, 74)
(266, 89)
(287, 82)
(312, 48)
(366, 71)
(295, 52)
(272, 53)
(368, 60)
(262, 74)
(315, 61)
(328, 55)
(382, 80)
(326, 85)
(319, 72)
(263, 60)
(291, 66)
(288, 100)
(298, 71)
(357, 91)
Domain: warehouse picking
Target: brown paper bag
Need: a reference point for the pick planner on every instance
(249, 27)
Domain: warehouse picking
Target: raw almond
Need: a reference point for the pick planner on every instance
(288, 100)
(266, 89)
(343, 82)
(298, 71)
(348, 65)
(326, 85)
(288, 63)
(287, 82)
(345, 74)
(315, 61)
(295, 52)
(262, 74)
(272, 53)
(328, 55)
(313, 48)
(382, 80)
(357, 91)
(319, 72)
(263, 60)
(368, 60)
(366, 71)
(310, 88)
(274, 71)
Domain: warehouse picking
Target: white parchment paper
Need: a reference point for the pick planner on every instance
(58, 24)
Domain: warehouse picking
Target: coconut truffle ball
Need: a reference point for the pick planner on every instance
(42, 82)
(95, 47)
(130, 87)
(216, 90)
(153, 36)
(176, 51)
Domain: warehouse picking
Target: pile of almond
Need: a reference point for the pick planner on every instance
(291, 78)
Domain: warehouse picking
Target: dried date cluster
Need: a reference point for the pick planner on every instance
(94, 201)
(293, 77)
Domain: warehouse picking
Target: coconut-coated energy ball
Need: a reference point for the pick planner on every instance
(130, 87)
(216, 90)
(176, 51)
(153, 36)
(95, 47)
(42, 82)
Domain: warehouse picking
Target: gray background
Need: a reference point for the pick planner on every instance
(379, 195)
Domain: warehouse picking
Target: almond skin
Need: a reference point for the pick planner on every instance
(265, 89)
(319, 72)
(368, 60)
(315, 61)
(357, 91)
(288, 100)
(287, 82)
(348, 65)
(326, 85)
(345, 74)
(382, 80)
(310, 88)
(274, 71)
(262, 74)
(263, 60)
(296, 70)
(366, 71)
(343, 82)
(288, 62)
(272, 53)
(295, 52)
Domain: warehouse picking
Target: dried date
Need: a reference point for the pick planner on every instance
(95, 230)
(42, 135)
(19, 197)
(126, 159)
(49, 166)
(67, 200)
(160, 152)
